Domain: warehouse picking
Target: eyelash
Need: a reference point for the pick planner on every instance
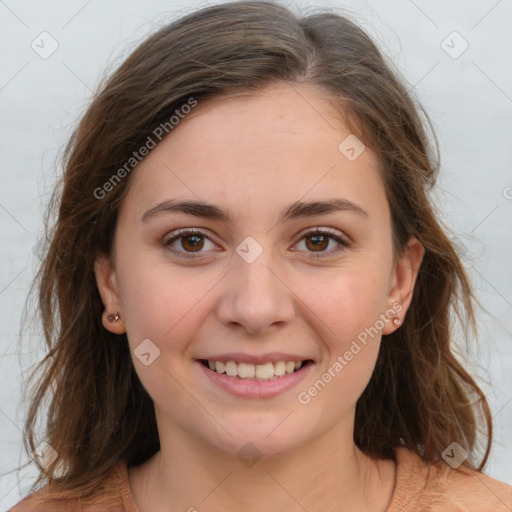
(184, 233)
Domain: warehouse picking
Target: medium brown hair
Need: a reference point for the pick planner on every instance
(419, 395)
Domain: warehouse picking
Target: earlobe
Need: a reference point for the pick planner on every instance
(405, 274)
(112, 317)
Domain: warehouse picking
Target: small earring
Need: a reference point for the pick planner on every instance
(114, 318)
(397, 321)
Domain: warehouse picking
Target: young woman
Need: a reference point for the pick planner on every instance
(247, 298)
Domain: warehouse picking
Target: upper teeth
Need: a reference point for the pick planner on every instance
(256, 371)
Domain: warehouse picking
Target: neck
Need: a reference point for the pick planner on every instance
(187, 475)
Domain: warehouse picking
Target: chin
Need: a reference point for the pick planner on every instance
(262, 440)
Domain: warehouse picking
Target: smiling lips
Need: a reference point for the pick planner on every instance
(258, 377)
(259, 372)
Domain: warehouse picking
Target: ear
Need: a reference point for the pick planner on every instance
(403, 281)
(107, 286)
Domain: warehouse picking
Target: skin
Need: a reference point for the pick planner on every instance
(255, 155)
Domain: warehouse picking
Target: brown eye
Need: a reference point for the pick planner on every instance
(188, 243)
(192, 243)
(317, 242)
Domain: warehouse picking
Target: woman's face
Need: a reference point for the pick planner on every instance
(256, 285)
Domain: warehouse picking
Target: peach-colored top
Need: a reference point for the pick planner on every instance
(419, 487)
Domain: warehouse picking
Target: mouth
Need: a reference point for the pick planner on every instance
(268, 371)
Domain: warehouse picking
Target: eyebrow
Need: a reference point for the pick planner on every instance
(296, 210)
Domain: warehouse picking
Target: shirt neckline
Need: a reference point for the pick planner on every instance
(407, 465)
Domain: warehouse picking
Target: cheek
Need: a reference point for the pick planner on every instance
(157, 301)
(162, 306)
(346, 306)
(346, 300)
(347, 313)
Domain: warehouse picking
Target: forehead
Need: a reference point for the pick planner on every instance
(273, 146)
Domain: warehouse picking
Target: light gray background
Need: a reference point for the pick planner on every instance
(469, 99)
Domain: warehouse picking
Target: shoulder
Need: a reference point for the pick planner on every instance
(438, 487)
(113, 495)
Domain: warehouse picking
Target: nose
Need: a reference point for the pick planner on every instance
(255, 297)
